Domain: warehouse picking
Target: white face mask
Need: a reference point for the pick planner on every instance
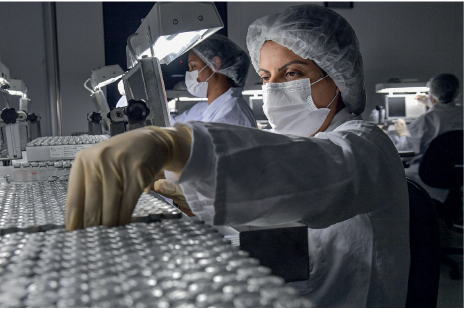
(195, 88)
(290, 108)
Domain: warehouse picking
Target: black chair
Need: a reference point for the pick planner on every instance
(441, 166)
(424, 272)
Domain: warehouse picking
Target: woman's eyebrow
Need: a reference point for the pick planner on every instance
(291, 62)
(265, 71)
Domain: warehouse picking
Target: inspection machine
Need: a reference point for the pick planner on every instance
(98, 120)
(168, 31)
(9, 120)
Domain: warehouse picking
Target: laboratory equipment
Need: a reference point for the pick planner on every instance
(400, 102)
(168, 31)
(60, 147)
(9, 120)
(118, 120)
(19, 88)
(100, 78)
(4, 76)
(129, 117)
(402, 87)
(94, 123)
(29, 129)
(34, 125)
(403, 106)
(10, 128)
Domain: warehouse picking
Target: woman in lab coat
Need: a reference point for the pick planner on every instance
(217, 71)
(328, 169)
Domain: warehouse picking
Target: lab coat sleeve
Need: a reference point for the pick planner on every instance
(261, 178)
(179, 118)
(198, 179)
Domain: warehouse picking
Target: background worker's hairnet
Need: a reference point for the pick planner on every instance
(234, 61)
(444, 87)
(321, 35)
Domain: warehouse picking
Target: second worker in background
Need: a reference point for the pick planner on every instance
(217, 71)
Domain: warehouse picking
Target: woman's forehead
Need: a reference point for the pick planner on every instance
(193, 57)
(274, 55)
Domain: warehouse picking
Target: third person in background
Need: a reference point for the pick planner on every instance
(444, 114)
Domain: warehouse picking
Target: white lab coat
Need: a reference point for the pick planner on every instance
(439, 119)
(346, 184)
(230, 107)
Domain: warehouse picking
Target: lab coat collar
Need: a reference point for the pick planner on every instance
(443, 105)
(226, 96)
(235, 92)
(340, 118)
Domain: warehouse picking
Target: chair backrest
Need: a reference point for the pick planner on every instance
(441, 164)
(424, 272)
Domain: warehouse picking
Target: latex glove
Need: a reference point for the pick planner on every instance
(160, 175)
(423, 99)
(170, 190)
(401, 127)
(151, 186)
(107, 179)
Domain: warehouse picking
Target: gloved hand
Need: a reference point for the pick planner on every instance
(107, 179)
(423, 99)
(401, 127)
(170, 190)
(160, 175)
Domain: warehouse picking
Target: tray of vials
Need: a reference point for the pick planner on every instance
(41, 206)
(60, 147)
(170, 263)
(42, 171)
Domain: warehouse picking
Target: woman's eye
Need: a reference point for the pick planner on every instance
(265, 79)
(292, 75)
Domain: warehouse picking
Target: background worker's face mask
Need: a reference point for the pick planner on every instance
(290, 108)
(195, 88)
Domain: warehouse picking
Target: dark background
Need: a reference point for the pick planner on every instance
(121, 19)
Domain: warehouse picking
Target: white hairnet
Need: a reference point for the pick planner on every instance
(321, 35)
(234, 61)
(444, 87)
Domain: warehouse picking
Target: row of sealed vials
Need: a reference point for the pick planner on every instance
(41, 206)
(171, 263)
(67, 140)
(32, 207)
(38, 171)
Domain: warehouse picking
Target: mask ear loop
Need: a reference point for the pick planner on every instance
(336, 95)
(208, 77)
(202, 68)
(318, 80)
